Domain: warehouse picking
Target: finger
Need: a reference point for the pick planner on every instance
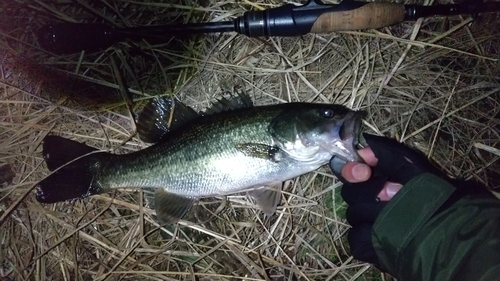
(398, 161)
(368, 156)
(363, 192)
(356, 172)
(390, 189)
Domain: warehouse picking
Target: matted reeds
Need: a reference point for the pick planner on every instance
(433, 83)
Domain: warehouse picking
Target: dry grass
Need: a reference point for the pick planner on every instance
(433, 83)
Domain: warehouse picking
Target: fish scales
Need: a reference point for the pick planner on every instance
(202, 159)
(243, 148)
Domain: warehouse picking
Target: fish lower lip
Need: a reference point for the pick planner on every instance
(358, 140)
(350, 132)
(356, 131)
(342, 131)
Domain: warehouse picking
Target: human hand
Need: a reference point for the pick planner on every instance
(355, 172)
(368, 186)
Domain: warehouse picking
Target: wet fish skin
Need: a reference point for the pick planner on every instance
(216, 154)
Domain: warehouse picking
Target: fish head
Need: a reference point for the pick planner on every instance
(314, 133)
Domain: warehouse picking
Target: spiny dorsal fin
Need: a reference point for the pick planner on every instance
(238, 101)
(170, 207)
(157, 119)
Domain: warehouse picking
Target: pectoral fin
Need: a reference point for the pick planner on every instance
(170, 207)
(262, 151)
(268, 198)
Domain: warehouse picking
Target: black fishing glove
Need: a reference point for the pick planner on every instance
(396, 163)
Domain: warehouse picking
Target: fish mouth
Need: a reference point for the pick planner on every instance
(350, 135)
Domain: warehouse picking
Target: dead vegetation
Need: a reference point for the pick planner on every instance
(433, 83)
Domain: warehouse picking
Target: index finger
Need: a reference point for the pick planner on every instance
(368, 156)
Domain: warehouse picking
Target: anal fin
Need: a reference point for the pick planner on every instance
(268, 198)
(170, 207)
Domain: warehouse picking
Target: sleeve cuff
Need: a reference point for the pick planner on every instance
(405, 215)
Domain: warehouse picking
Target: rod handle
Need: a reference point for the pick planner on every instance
(68, 38)
(368, 16)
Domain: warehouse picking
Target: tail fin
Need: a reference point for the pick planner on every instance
(73, 180)
(58, 151)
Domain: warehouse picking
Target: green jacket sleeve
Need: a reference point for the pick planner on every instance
(414, 241)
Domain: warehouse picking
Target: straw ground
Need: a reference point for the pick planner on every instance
(433, 84)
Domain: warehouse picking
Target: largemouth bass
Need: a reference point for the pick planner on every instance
(219, 153)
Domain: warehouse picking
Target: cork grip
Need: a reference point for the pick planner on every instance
(371, 15)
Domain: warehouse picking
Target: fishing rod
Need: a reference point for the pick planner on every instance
(287, 20)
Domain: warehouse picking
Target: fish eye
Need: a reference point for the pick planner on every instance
(327, 113)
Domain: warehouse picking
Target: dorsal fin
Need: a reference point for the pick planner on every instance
(157, 118)
(238, 101)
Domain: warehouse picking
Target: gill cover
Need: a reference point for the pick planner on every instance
(304, 130)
